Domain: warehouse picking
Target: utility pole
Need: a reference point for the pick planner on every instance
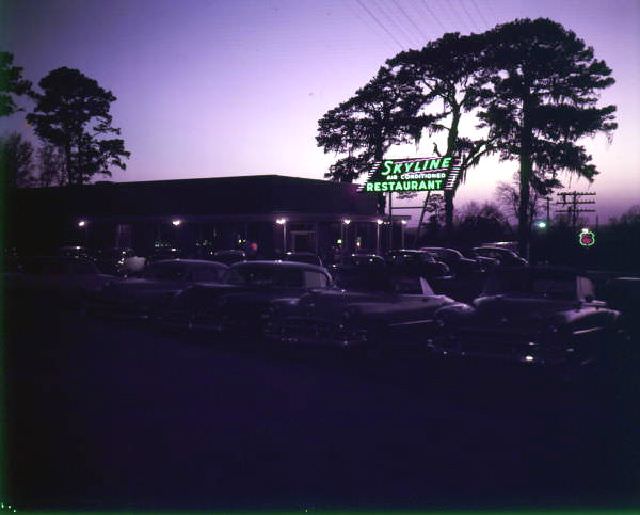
(571, 206)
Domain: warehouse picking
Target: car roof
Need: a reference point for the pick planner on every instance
(278, 263)
(499, 249)
(202, 262)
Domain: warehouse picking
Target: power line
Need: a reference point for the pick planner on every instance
(433, 15)
(484, 20)
(471, 18)
(375, 18)
(404, 13)
(370, 26)
(458, 17)
(392, 21)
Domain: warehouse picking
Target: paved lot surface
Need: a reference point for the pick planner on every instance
(112, 415)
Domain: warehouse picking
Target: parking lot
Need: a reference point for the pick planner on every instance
(105, 415)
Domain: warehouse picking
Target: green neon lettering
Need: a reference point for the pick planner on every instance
(408, 166)
(438, 184)
(376, 186)
(423, 185)
(397, 168)
(387, 167)
(414, 185)
(385, 186)
(369, 186)
(431, 185)
(446, 162)
(434, 164)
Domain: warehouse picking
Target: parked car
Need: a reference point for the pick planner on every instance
(236, 307)
(111, 261)
(505, 257)
(303, 257)
(623, 294)
(487, 264)
(363, 261)
(228, 257)
(64, 279)
(141, 297)
(417, 261)
(533, 316)
(75, 251)
(457, 263)
(370, 310)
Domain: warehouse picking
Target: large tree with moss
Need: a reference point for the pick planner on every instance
(449, 76)
(545, 82)
(382, 113)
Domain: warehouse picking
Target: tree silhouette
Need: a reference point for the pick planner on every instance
(11, 84)
(73, 113)
(16, 161)
(545, 82)
(448, 74)
(380, 114)
(51, 166)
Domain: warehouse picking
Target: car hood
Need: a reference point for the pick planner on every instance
(520, 312)
(133, 289)
(335, 303)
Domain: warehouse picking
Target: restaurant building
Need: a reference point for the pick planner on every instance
(267, 213)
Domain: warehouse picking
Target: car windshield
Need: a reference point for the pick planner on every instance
(546, 283)
(358, 279)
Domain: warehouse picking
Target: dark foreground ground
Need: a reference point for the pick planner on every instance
(107, 415)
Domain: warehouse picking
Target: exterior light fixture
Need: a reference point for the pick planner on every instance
(176, 222)
(346, 221)
(541, 224)
(82, 223)
(283, 223)
(403, 222)
(380, 222)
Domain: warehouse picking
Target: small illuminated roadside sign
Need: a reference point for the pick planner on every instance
(413, 174)
(586, 238)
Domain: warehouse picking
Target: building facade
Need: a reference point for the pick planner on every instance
(269, 214)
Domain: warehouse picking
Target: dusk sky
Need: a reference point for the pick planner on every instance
(222, 88)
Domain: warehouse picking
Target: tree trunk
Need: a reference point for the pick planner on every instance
(67, 162)
(524, 231)
(452, 140)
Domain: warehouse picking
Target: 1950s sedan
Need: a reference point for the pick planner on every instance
(370, 309)
(141, 298)
(541, 316)
(236, 307)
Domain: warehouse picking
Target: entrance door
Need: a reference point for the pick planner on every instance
(303, 241)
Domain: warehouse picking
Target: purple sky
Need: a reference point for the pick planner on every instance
(212, 88)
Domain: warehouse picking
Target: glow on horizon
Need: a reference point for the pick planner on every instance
(236, 87)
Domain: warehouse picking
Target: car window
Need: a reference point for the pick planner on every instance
(407, 284)
(266, 276)
(207, 274)
(166, 271)
(358, 279)
(550, 284)
(315, 279)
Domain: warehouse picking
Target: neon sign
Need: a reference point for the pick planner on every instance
(414, 174)
(586, 238)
